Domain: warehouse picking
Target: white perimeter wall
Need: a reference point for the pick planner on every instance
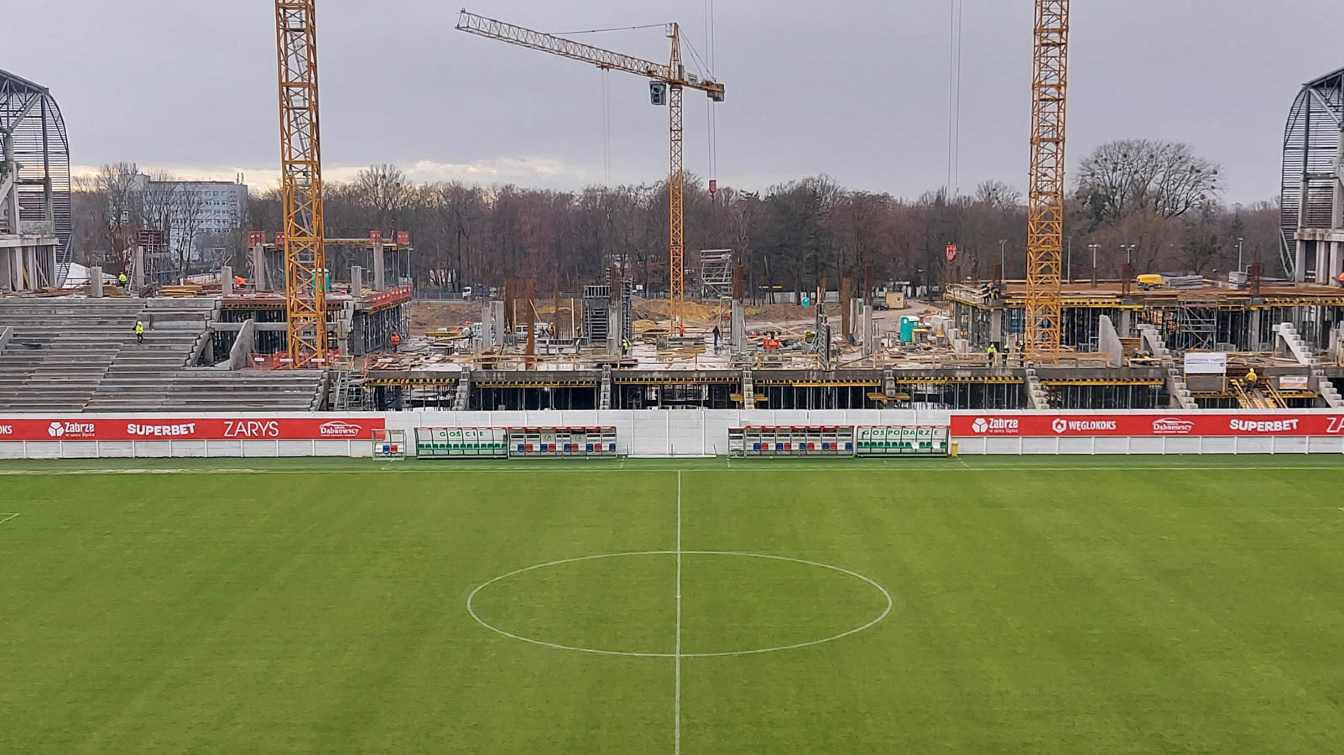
(655, 433)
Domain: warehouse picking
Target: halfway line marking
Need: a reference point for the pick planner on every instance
(676, 652)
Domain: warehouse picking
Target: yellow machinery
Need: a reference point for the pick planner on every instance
(669, 81)
(1045, 195)
(301, 183)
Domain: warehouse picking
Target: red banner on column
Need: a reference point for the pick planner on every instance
(255, 428)
(1145, 425)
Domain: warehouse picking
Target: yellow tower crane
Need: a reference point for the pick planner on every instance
(301, 183)
(1045, 195)
(669, 79)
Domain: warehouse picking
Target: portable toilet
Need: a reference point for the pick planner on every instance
(908, 329)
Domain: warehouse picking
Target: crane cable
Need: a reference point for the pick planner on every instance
(956, 10)
(606, 126)
(613, 28)
(711, 115)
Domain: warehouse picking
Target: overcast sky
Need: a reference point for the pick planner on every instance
(857, 89)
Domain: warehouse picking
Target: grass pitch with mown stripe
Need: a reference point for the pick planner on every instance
(1039, 604)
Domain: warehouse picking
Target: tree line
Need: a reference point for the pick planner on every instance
(1154, 204)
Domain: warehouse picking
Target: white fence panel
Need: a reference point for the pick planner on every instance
(686, 433)
(1151, 446)
(1076, 446)
(1108, 445)
(650, 436)
(189, 449)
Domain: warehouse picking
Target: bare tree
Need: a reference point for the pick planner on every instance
(1145, 175)
(189, 216)
(120, 184)
(158, 200)
(385, 191)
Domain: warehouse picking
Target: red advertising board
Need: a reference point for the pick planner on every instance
(213, 428)
(1146, 425)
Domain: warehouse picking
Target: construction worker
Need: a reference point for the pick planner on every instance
(993, 353)
(139, 331)
(716, 338)
(123, 281)
(626, 346)
(1251, 377)
(396, 341)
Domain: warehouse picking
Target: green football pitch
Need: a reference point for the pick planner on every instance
(978, 605)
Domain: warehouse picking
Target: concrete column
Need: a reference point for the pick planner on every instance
(739, 328)
(1323, 262)
(96, 282)
(1300, 268)
(34, 269)
(996, 325)
(1336, 262)
(226, 281)
(356, 280)
(1126, 323)
(20, 270)
(615, 329)
(869, 331)
(6, 256)
(54, 276)
(379, 268)
(1254, 340)
(138, 271)
(259, 281)
(1108, 342)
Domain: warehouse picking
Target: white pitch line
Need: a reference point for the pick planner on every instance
(764, 467)
(886, 611)
(5, 516)
(676, 651)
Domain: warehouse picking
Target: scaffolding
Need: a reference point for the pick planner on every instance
(1196, 326)
(716, 273)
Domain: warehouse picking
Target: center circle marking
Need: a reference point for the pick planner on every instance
(886, 610)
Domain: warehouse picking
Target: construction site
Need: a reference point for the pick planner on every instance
(289, 332)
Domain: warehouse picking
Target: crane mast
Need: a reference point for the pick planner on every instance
(672, 74)
(1045, 195)
(301, 183)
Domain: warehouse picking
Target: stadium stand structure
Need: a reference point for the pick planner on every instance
(77, 355)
